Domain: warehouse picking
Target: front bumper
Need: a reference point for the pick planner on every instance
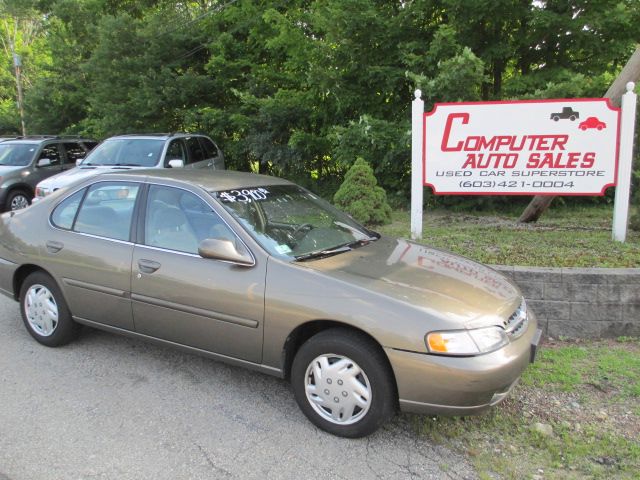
(444, 385)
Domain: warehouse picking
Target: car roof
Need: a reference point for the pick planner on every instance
(155, 136)
(36, 140)
(213, 180)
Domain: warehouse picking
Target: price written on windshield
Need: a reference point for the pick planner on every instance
(245, 195)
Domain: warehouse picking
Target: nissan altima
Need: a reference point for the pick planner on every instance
(259, 272)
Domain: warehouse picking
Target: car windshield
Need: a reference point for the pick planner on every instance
(129, 152)
(16, 154)
(289, 221)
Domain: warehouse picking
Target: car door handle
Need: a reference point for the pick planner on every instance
(148, 266)
(54, 247)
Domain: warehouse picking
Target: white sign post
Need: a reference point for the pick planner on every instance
(621, 205)
(417, 118)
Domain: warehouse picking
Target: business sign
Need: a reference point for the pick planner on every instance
(546, 147)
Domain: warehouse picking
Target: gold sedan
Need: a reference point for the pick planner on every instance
(259, 272)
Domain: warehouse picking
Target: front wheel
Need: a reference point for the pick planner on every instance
(343, 384)
(45, 312)
(17, 200)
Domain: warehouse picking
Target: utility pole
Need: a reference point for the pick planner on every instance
(17, 64)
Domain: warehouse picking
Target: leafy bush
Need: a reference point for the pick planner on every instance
(361, 196)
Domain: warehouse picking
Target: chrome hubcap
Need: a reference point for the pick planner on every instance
(41, 310)
(19, 202)
(338, 389)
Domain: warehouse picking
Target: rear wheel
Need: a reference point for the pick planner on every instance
(45, 312)
(17, 200)
(343, 384)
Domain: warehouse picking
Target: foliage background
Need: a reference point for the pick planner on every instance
(301, 88)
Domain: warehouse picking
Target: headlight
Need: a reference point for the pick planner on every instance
(466, 342)
(41, 192)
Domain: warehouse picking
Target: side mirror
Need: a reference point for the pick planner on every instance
(79, 161)
(176, 163)
(43, 162)
(224, 250)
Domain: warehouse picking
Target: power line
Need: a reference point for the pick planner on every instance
(211, 11)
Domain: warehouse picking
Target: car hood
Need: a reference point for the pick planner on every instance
(73, 175)
(441, 283)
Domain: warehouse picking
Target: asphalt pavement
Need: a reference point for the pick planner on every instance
(109, 407)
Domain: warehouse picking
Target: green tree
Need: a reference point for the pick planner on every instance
(21, 37)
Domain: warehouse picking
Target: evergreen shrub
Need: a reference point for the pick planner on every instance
(361, 197)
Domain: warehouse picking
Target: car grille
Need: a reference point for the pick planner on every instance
(517, 323)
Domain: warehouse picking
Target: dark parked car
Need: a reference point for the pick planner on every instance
(261, 273)
(25, 161)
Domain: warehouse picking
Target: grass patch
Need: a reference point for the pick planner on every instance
(563, 237)
(588, 392)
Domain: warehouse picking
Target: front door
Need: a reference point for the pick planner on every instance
(54, 156)
(181, 297)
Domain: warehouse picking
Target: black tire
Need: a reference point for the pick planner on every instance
(367, 355)
(61, 331)
(19, 197)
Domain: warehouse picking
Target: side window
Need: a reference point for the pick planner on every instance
(179, 220)
(176, 151)
(90, 145)
(107, 210)
(196, 154)
(74, 151)
(210, 150)
(64, 214)
(52, 153)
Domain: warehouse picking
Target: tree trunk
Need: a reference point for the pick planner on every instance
(630, 73)
(536, 208)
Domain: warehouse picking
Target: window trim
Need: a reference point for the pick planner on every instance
(84, 196)
(136, 237)
(75, 215)
(140, 240)
(62, 155)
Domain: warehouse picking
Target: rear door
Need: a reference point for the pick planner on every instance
(90, 245)
(197, 157)
(212, 153)
(74, 151)
(179, 296)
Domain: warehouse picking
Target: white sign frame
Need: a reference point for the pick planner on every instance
(524, 147)
(622, 178)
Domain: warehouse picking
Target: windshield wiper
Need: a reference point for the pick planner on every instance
(346, 247)
(323, 253)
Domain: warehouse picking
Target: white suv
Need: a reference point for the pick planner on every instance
(127, 152)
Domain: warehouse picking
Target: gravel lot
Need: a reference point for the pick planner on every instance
(108, 407)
